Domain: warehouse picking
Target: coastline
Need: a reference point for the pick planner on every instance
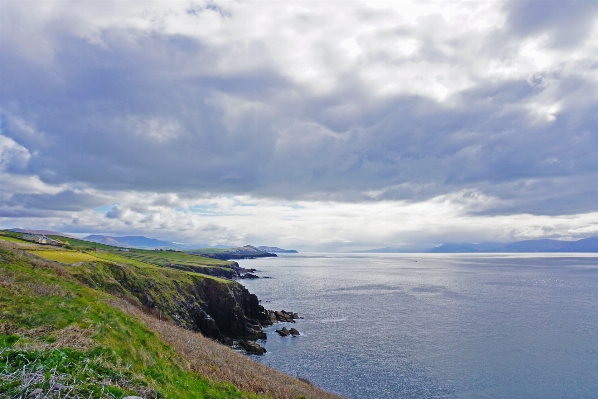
(98, 303)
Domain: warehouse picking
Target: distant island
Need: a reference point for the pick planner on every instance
(526, 246)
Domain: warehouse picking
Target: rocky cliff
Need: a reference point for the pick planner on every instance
(218, 308)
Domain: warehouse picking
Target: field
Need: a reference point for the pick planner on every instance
(113, 257)
(13, 239)
(164, 258)
(64, 256)
(160, 258)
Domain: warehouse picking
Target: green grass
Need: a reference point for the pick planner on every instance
(83, 245)
(39, 302)
(116, 257)
(14, 239)
(64, 256)
(83, 374)
(160, 258)
(211, 250)
(163, 258)
(148, 270)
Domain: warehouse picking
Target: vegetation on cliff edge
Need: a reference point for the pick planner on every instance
(62, 338)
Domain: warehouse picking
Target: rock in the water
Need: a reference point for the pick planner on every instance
(283, 332)
(251, 347)
(293, 332)
(283, 316)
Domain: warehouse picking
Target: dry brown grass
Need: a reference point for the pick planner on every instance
(72, 337)
(219, 362)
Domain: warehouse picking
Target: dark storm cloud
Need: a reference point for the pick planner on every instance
(156, 112)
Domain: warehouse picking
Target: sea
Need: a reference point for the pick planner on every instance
(379, 326)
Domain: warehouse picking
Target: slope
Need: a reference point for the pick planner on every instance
(59, 338)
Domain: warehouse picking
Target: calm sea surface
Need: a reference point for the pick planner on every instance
(436, 326)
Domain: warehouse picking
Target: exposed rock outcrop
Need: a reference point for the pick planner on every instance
(283, 332)
(251, 347)
(274, 316)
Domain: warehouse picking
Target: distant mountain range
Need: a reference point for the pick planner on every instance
(546, 245)
(134, 242)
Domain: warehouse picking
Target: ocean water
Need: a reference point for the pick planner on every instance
(436, 325)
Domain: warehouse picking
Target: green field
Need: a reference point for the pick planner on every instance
(160, 258)
(210, 250)
(14, 239)
(64, 256)
(164, 258)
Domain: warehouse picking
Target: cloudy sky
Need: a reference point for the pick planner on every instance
(312, 125)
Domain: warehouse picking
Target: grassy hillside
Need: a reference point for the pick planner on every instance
(156, 257)
(62, 338)
(165, 258)
(56, 331)
(12, 239)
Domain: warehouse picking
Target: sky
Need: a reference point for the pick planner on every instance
(319, 126)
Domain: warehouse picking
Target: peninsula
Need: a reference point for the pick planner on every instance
(93, 318)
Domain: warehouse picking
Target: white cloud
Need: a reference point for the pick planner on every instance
(12, 155)
(323, 124)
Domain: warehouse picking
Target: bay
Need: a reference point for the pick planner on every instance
(435, 325)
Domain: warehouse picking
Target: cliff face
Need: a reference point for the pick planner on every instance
(222, 310)
(217, 308)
